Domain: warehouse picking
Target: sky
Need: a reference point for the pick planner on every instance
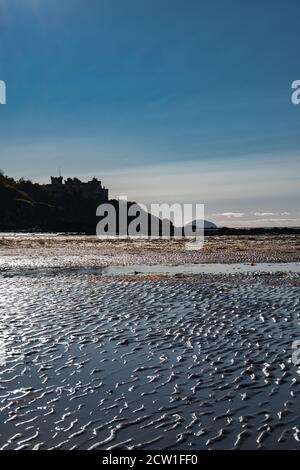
(164, 100)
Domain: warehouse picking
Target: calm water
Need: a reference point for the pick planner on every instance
(205, 268)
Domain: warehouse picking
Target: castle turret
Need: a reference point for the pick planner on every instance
(57, 180)
(92, 188)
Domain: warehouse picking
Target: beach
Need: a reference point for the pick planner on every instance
(63, 250)
(97, 358)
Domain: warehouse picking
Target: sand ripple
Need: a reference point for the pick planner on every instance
(148, 364)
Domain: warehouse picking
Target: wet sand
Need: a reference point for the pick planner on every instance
(61, 250)
(99, 363)
(150, 360)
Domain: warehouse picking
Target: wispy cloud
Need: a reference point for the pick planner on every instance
(230, 215)
(264, 214)
(256, 219)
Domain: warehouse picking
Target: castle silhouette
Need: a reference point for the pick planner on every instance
(92, 188)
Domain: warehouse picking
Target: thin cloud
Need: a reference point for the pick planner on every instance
(264, 214)
(230, 215)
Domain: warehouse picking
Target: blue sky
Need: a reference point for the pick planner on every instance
(169, 100)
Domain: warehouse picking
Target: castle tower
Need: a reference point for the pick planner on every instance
(57, 180)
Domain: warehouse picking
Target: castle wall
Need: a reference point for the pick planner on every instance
(90, 188)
